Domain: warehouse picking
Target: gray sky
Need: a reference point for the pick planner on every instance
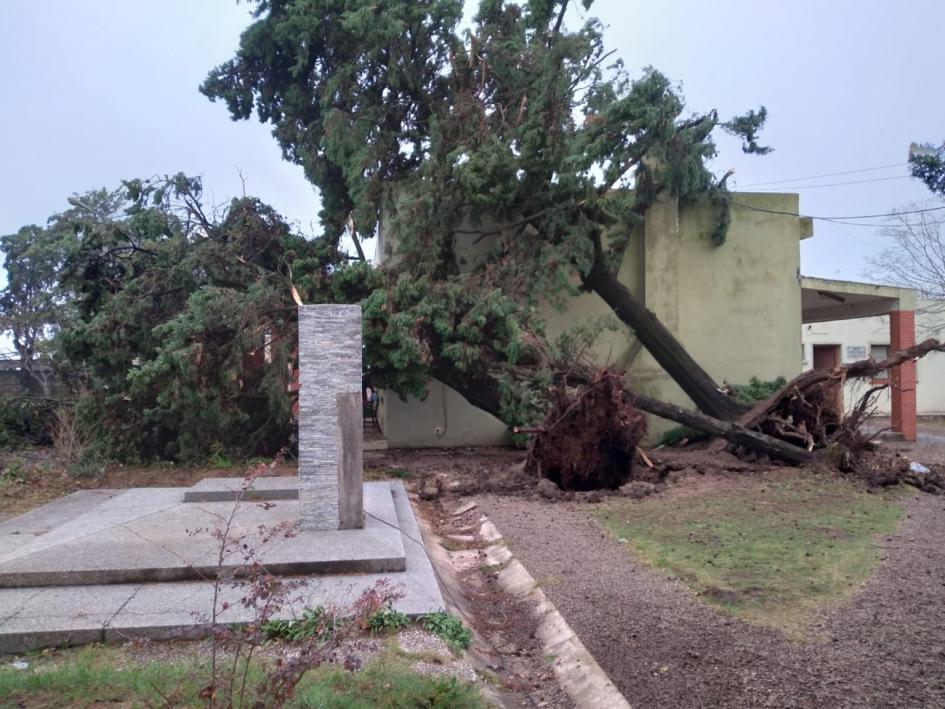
(96, 91)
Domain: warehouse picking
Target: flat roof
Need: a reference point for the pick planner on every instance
(824, 299)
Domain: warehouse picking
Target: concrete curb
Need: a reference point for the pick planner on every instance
(575, 668)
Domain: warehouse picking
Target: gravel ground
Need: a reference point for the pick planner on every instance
(929, 447)
(885, 647)
(438, 658)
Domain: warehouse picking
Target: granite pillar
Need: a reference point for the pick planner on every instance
(330, 426)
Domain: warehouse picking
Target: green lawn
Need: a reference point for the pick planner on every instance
(97, 676)
(769, 549)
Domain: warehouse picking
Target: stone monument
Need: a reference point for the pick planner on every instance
(330, 417)
(107, 565)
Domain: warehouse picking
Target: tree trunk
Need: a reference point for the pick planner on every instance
(663, 345)
(478, 388)
(863, 368)
(734, 432)
(483, 392)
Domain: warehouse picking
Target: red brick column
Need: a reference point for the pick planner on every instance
(902, 378)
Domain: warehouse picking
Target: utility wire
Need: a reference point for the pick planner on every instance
(826, 174)
(833, 184)
(835, 219)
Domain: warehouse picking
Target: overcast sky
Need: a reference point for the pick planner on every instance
(96, 91)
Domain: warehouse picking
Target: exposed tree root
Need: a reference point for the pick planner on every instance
(590, 436)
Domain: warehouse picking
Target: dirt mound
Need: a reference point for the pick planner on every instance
(589, 437)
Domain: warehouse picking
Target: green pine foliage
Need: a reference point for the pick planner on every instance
(504, 163)
(182, 325)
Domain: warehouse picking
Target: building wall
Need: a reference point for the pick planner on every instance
(736, 307)
(857, 336)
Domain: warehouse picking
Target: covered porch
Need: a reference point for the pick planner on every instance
(824, 300)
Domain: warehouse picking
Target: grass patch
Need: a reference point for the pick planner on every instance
(769, 550)
(92, 678)
(98, 676)
(387, 682)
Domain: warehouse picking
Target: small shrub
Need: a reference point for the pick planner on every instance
(314, 623)
(219, 459)
(756, 389)
(25, 421)
(387, 620)
(448, 627)
(89, 465)
(14, 472)
(675, 436)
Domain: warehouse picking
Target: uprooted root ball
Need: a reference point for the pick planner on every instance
(589, 438)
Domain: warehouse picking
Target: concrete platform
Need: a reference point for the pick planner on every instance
(228, 489)
(124, 540)
(35, 617)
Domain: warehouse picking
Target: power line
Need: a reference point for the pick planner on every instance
(876, 224)
(826, 174)
(837, 219)
(835, 184)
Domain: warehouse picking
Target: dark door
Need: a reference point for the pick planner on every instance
(828, 357)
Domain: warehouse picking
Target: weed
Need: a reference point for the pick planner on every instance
(218, 458)
(312, 624)
(676, 436)
(387, 619)
(398, 473)
(448, 627)
(14, 472)
(756, 389)
(90, 465)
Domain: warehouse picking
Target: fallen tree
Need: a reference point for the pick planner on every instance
(819, 378)
(798, 424)
(798, 419)
(730, 431)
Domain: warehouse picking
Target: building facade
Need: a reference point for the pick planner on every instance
(851, 340)
(736, 307)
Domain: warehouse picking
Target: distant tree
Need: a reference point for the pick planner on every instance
(927, 163)
(915, 256)
(526, 121)
(32, 305)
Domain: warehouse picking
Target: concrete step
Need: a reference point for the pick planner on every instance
(32, 618)
(150, 535)
(282, 487)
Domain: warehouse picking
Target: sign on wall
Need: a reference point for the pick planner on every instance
(855, 352)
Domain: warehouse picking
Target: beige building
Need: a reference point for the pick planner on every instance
(870, 337)
(737, 307)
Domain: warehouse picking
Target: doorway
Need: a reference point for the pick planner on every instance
(828, 357)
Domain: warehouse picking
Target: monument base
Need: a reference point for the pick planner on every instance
(113, 571)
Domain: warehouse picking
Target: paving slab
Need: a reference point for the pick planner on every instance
(17, 531)
(129, 505)
(282, 487)
(176, 542)
(32, 618)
